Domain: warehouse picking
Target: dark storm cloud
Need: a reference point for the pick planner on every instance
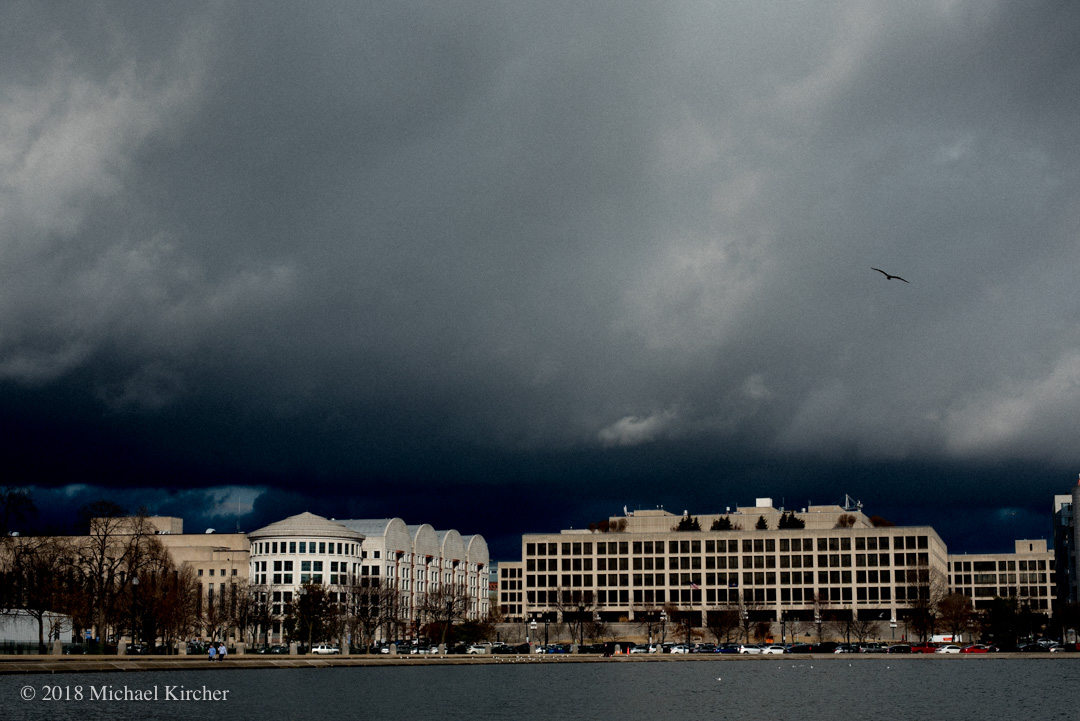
(503, 247)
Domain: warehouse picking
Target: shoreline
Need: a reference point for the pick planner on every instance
(46, 664)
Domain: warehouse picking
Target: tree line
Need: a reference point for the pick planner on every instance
(118, 580)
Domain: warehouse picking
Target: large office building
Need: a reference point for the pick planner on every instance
(770, 564)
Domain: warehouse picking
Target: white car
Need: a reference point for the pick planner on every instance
(680, 648)
(774, 649)
(749, 649)
(476, 649)
(951, 648)
(325, 649)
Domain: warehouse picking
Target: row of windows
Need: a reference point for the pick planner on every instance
(748, 545)
(730, 580)
(658, 563)
(968, 579)
(329, 548)
(713, 596)
(991, 566)
(210, 572)
(1003, 591)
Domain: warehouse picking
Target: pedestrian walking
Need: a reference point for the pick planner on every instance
(212, 653)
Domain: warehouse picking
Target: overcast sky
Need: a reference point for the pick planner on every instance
(511, 266)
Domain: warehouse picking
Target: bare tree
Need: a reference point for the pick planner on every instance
(722, 622)
(575, 607)
(648, 618)
(747, 608)
(864, 629)
(34, 582)
(926, 588)
(443, 604)
(822, 613)
(370, 604)
(956, 613)
(177, 608)
(109, 556)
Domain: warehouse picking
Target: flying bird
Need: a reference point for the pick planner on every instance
(887, 276)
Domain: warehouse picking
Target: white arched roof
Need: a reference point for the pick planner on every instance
(476, 550)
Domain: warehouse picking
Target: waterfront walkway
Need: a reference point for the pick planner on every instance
(95, 664)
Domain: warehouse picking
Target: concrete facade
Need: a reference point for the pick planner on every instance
(1026, 574)
(838, 561)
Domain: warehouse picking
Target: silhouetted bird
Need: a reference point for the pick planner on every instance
(887, 276)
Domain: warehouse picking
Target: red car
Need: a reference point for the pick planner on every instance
(923, 648)
(975, 648)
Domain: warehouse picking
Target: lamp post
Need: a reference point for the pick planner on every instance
(546, 622)
(531, 627)
(134, 598)
(581, 624)
(663, 626)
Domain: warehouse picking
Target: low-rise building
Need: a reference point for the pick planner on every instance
(1026, 574)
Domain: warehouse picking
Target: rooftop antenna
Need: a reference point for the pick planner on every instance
(850, 505)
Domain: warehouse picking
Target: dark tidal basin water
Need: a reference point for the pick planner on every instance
(807, 689)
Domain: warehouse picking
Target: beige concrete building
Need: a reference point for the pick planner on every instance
(415, 561)
(1026, 574)
(418, 560)
(766, 569)
(218, 560)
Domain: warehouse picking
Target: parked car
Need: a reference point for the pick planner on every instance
(750, 649)
(1032, 648)
(826, 647)
(872, 648)
(325, 649)
(948, 648)
(476, 649)
(846, 648)
(900, 648)
(774, 649)
(975, 648)
(728, 648)
(680, 648)
(923, 648)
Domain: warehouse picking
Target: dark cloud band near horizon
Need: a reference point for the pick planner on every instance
(473, 252)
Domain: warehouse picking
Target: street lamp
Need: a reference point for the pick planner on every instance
(663, 626)
(134, 598)
(532, 627)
